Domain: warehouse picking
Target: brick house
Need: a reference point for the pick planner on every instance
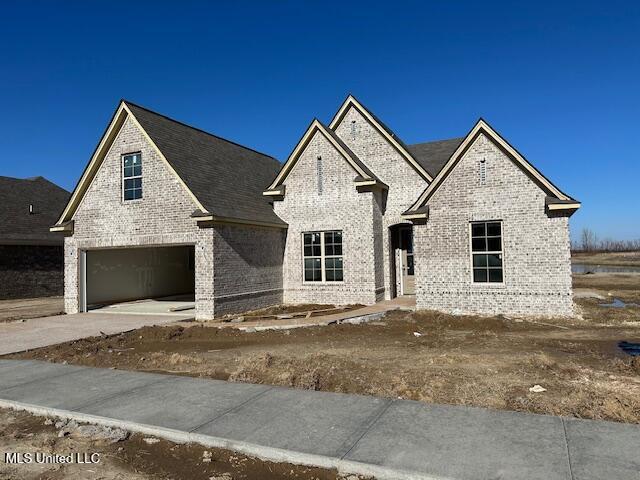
(354, 215)
(31, 257)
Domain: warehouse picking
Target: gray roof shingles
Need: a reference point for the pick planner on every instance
(228, 179)
(430, 155)
(433, 155)
(48, 200)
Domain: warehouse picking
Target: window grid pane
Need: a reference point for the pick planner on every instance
(322, 254)
(486, 237)
(132, 176)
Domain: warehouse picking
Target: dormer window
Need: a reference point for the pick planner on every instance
(131, 176)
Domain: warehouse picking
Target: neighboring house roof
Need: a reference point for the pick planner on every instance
(316, 126)
(392, 138)
(22, 227)
(483, 128)
(434, 155)
(224, 179)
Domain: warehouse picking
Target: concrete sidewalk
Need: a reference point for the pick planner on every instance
(40, 332)
(388, 438)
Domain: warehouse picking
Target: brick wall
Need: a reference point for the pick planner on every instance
(339, 207)
(405, 184)
(28, 271)
(248, 267)
(161, 217)
(537, 266)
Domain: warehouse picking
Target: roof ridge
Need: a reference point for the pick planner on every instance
(26, 179)
(436, 141)
(198, 129)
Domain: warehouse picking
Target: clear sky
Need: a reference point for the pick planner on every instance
(559, 80)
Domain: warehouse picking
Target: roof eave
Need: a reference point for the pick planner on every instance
(64, 227)
(208, 220)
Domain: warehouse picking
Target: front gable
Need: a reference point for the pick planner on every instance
(484, 137)
(121, 118)
(316, 134)
(165, 206)
(371, 139)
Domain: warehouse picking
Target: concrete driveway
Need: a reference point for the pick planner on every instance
(40, 332)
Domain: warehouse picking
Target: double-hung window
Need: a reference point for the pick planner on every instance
(322, 256)
(486, 252)
(132, 176)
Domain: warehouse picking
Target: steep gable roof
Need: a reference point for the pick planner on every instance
(364, 174)
(385, 131)
(224, 178)
(483, 128)
(22, 227)
(434, 155)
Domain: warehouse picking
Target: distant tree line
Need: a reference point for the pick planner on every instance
(589, 242)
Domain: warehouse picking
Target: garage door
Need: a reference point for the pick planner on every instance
(125, 274)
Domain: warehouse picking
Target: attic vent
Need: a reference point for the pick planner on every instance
(319, 173)
(483, 171)
(353, 129)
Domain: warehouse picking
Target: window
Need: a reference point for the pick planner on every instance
(132, 176)
(322, 256)
(486, 252)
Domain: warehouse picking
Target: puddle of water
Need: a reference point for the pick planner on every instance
(617, 303)
(582, 268)
(630, 348)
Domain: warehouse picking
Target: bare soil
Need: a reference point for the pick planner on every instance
(425, 356)
(282, 312)
(24, 308)
(138, 457)
(621, 259)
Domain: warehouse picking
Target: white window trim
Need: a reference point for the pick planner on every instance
(501, 253)
(324, 280)
(122, 177)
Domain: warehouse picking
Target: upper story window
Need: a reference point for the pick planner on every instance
(132, 176)
(322, 256)
(486, 252)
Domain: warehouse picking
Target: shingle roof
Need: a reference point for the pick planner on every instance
(433, 155)
(227, 178)
(48, 200)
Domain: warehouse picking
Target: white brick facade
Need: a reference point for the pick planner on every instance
(537, 268)
(536, 259)
(339, 207)
(405, 183)
(248, 276)
(240, 266)
(247, 271)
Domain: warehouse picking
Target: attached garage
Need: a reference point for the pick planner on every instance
(126, 274)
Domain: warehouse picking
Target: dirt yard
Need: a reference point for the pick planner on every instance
(135, 457)
(621, 259)
(23, 308)
(426, 356)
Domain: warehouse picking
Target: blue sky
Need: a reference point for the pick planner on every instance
(560, 81)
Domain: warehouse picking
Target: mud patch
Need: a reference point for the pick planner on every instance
(484, 362)
(134, 457)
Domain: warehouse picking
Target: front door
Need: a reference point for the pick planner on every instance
(406, 253)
